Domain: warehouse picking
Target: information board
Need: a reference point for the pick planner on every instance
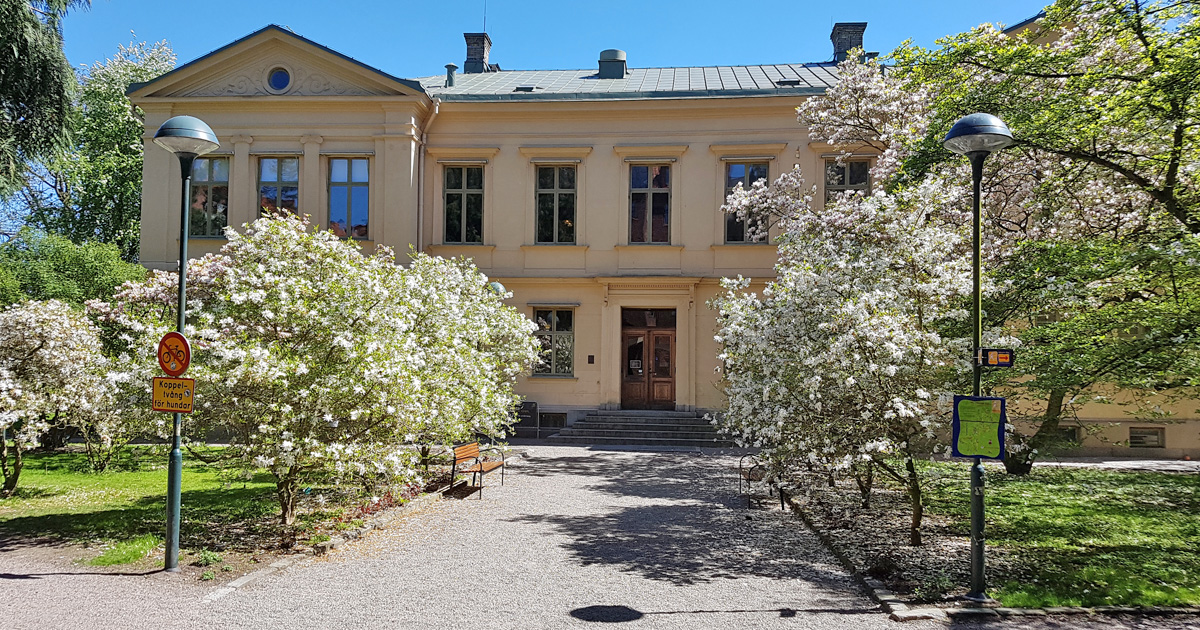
(978, 427)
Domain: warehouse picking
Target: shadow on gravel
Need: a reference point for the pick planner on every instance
(703, 535)
(653, 475)
(617, 614)
(38, 576)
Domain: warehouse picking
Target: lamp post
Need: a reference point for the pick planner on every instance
(187, 138)
(976, 136)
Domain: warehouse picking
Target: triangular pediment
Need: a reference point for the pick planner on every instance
(243, 69)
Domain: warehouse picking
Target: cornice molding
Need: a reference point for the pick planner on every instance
(462, 152)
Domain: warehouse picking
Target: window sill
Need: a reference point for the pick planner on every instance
(659, 246)
(744, 245)
(563, 246)
(452, 247)
(553, 377)
(192, 237)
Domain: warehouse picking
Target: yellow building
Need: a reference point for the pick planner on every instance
(593, 195)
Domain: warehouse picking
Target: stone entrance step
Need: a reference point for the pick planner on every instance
(645, 428)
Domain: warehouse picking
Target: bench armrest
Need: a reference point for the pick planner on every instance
(503, 455)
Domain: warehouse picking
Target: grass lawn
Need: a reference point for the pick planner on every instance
(1082, 537)
(123, 511)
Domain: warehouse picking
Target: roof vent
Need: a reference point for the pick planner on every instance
(612, 64)
(525, 88)
(846, 36)
(787, 82)
(450, 68)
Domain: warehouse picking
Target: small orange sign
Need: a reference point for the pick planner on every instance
(173, 394)
(174, 354)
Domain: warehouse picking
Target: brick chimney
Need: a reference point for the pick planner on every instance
(478, 47)
(846, 35)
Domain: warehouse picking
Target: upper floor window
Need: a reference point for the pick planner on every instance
(278, 184)
(556, 204)
(556, 334)
(649, 203)
(464, 204)
(209, 213)
(745, 174)
(349, 196)
(852, 175)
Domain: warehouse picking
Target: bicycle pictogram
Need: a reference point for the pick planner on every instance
(174, 353)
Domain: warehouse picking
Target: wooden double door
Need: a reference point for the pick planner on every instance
(648, 368)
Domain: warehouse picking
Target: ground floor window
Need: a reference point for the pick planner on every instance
(209, 213)
(278, 184)
(1147, 437)
(556, 334)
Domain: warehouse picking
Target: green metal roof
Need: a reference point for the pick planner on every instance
(639, 83)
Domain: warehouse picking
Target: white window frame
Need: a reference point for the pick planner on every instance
(554, 335)
(746, 183)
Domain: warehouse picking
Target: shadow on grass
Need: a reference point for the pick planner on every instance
(234, 519)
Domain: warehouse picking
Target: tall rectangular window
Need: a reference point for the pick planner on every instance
(744, 173)
(556, 204)
(278, 184)
(464, 204)
(556, 334)
(209, 212)
(852, 175)
(349, 196)
(650, 203)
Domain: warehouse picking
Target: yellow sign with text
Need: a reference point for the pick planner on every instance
(173, 394)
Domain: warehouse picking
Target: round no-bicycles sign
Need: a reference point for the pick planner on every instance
(174, 354)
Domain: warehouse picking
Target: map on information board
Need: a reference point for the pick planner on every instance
(978, 427)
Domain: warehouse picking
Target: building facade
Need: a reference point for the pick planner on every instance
(594, 195)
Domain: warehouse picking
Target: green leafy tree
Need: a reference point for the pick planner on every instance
(94, 190)
(36, 86)
(1110, 89)
(37, 266)
(1093, 215)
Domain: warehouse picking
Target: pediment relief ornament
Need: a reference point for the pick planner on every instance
(305, 82)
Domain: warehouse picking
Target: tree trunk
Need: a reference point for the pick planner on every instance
(864, 476)
(285, 489)
(56, 438)
(1022, 463)
(914, 496)
(11, 471)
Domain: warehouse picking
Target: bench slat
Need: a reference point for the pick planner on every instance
(486, 467)
(466, 451)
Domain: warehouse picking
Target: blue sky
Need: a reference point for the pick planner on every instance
(413, 39)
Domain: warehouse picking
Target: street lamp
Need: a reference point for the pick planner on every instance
(976, 136)
(187, 138)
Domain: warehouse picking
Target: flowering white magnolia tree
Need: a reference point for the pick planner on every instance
(839, 365)
(317, 358)
(50, 363)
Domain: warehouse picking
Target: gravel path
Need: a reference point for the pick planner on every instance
(576, 536)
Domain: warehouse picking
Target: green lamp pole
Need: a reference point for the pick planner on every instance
(188, 138)
(976, 136)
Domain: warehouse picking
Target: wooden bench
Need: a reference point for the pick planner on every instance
(467, 453)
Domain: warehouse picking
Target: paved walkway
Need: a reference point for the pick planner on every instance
(575, 537)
